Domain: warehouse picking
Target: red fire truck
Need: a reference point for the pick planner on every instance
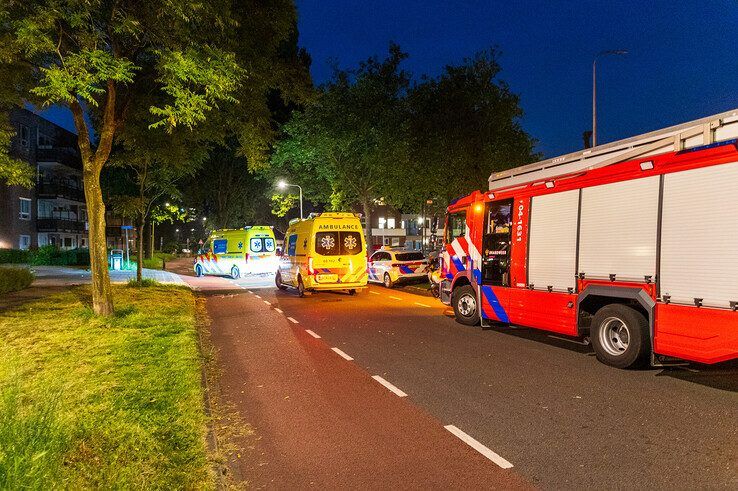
(633, 245)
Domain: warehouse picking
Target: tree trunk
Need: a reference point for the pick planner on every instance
(102, 295)
(140, 250)
(368, 231)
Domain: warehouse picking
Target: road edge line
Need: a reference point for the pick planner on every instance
(389, 386)
(476, 445)
(342, 354)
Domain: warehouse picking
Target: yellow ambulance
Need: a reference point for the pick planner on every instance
(237, 252)
(326, 251)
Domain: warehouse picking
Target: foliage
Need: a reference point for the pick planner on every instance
(14, 279)
(465, 126)
(13, 172)
(116, 408)
(50, 255)
(350, 145)
(14, 256)
(142, 283)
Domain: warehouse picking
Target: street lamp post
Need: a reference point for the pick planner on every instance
(284, 184)
(618, 52)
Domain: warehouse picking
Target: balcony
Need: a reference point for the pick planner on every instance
(61, 155)
(59, 188)
(60, 225)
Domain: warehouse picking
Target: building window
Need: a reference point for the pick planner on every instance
(83, 242)
(382, 222)
(25, 136)
(44, 142)
(395, 241)
(25, 209)
(25, 242)
(43, 239)
(68, 242)
(390, 223)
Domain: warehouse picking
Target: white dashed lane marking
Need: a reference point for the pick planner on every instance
(268, 303)
(312, 333)
(342, 354)
(257, 296)
(278, 310)
(292, 320)
(389, 386)
(373, 292)
(421, 304)
(479, 447)
(395, 298)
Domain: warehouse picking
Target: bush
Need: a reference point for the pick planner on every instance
(13, 256)
(49, 255)
(14, 279)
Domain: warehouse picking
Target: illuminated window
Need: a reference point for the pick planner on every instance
(382, 222)
(25, 209)
(390, 223)
(25, 242)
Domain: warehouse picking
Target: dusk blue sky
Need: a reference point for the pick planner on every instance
(682, 62)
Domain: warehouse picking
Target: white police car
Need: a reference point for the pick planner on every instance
(388, 266)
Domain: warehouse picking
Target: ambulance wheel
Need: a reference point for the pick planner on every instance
(198, 271)
(300, 287)
(235, 273)
(620, 337)
(464, 301)
(278, 281)
(388, 281)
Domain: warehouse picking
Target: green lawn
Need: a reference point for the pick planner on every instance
(157, 262)
(89, 403)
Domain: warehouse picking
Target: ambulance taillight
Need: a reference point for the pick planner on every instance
(311, 271)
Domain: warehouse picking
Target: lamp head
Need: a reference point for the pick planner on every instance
(282, 184)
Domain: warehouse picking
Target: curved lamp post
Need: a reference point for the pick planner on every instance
(284, 185)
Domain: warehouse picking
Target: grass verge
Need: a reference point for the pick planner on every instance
(87, 402)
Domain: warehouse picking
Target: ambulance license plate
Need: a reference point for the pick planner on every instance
(327, 278)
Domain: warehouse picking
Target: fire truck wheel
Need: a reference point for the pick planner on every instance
(278, 281)
(300, 287)
(620, 336)
(235, 273)
(388, 281)
(198, 271)
(464, 300)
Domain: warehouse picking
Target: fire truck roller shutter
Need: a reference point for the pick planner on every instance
(553, 241)
(699, 236)
(618, 229)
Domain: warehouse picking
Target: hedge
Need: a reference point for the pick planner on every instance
(14, 279)
(47, 255)
(13, 256)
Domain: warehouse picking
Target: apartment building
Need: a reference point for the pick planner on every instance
(405, 230)
(53, 211)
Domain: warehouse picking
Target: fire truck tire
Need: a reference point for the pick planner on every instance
(198, 271)
(278, 281)
(300, 287)
(464, 301)
(388, 281)
(235, 272)
(620, 336)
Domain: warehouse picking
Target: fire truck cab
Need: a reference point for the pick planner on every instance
(633, 244)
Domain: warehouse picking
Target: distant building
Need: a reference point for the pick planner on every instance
(53, 211)
(404, 230)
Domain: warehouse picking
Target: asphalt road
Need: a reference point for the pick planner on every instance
(542, 403)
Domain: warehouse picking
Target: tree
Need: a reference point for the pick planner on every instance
(206, 65)
(347, 146)
(465, 125)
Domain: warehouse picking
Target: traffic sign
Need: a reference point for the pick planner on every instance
(126, 227)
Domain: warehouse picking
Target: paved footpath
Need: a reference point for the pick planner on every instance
(320, 420)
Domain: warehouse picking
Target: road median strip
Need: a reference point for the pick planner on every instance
(479, 447)
(389, 386)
